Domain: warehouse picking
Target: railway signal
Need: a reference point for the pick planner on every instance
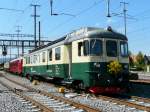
(4, 50)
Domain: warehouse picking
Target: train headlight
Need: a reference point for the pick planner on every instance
(99, 76)
(108, 81)
(120, 79)
(97, 65)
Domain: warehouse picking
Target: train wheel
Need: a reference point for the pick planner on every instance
(27, 76)
(81, 85)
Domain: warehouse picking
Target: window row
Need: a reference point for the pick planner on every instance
(94, 47)
(42, 58)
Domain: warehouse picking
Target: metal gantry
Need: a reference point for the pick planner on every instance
(20, 43)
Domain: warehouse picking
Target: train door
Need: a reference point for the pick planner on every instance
(50, 67)
(69, 50)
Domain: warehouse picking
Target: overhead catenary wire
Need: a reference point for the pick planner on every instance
(20, 17)
(78, 14)
(14, 10)
(22, 12)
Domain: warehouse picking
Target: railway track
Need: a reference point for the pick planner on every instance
(133, 102)
(14, 94)
(142, 81)
(48, 102)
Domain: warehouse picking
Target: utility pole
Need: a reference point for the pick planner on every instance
(35, 16)
(125, 16)
(39, 33)
(108, 8)
(51, 6)
(18, 32)
(10, 50)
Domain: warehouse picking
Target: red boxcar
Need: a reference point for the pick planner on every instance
(15, 66)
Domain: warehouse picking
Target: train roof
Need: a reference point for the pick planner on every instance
(86, 32)
(92, 32)
(16, 59)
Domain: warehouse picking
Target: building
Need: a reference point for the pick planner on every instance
(147, 60)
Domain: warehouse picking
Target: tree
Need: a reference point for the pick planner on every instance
(131, 62)
(140, 58)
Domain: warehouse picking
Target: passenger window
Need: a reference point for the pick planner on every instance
(26, 60)
(39, 58)
(124, 49)
(50, 54)
(86, 47)
(36, 59)
(29, 60)
(80, 45)
(111, 48)
(43, 57)
(57, 53)
(96, 47)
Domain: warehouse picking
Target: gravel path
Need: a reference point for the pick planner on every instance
(10, 102)
(2, 79)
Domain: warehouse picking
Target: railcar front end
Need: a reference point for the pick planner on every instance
(100, 61)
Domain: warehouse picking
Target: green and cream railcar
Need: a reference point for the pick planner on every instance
(81, 58)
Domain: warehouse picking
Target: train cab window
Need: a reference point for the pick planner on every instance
(50, 54)
(96, 48)
(43, 57)
(57, 53)
(80, 46)
(111, 48)
(123, 49)
(86, 47)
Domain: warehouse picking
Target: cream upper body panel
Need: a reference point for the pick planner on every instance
(64, 57)
(72, 40)
(82, 58)
(100, 58)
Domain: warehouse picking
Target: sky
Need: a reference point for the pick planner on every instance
(84, 13)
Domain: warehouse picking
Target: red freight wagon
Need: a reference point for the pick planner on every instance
(15, 66)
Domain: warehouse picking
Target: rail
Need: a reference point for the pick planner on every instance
(75, 104)
(125, 102)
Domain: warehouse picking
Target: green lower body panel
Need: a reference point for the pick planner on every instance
(88, 73)
(58, 70)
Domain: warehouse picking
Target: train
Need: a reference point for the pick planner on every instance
(14, 66)
(90, 58)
